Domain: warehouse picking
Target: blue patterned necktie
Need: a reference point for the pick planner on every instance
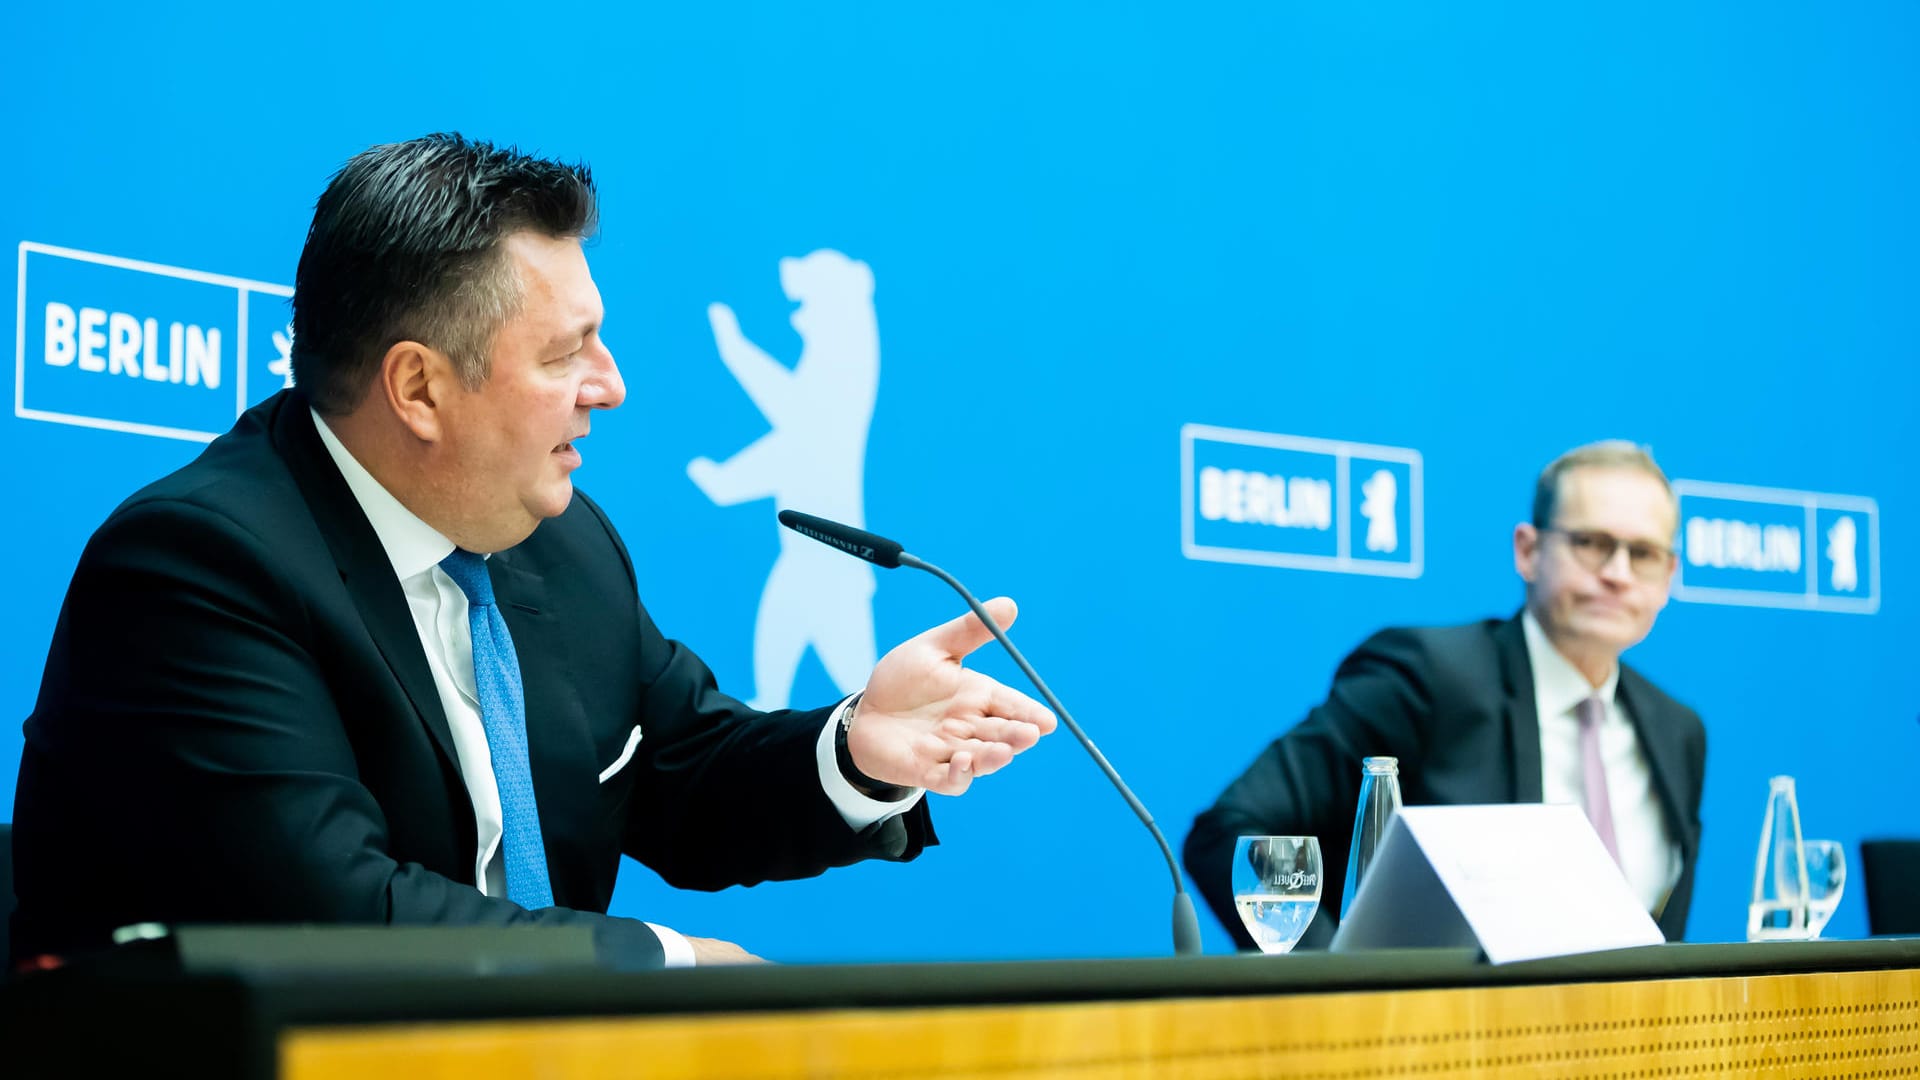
(503, 713)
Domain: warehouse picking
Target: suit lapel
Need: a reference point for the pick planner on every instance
(556, 726)
(363, 565)
(1522, 713)
(1665, 755)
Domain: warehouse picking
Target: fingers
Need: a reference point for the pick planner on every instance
(1008, 704)
(949, 778)
(964, 760)
(1015, 735)
(994, 711)
(710, 952)
(961, 762)
(980, 757)
(993, 721)
(971, 758)
(985, 718)
(958, 637)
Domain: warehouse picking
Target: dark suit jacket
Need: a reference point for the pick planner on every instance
(1455, 705)
(237, 724)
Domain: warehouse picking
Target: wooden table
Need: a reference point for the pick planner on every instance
(1794, 1009)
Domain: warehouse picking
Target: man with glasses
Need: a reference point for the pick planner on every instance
(1534, 708)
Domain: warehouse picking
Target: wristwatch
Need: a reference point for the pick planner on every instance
(843, 756)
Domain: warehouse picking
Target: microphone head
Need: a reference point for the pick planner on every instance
(858, 543)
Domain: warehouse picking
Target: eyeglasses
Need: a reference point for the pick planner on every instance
(1594, 549)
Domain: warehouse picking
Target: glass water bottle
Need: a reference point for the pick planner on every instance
(1379, 801)
(1779, 908)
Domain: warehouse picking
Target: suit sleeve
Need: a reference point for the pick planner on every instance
(182, 684)
(1306, 782)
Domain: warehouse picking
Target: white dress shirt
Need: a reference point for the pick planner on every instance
(1649, 857)
(440, 616)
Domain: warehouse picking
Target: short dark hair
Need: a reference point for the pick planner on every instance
(406, 246)
(1610, 454)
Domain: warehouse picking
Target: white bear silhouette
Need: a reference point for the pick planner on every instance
(813, 461)
(1381, 491)
(1840, 544)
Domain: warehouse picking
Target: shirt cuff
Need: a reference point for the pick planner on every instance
(857, 810)
(678, 950)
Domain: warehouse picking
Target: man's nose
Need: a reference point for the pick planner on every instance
(603, 388)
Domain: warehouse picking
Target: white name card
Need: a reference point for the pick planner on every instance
(1520, 881)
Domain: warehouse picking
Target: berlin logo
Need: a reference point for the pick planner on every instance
(138, 347)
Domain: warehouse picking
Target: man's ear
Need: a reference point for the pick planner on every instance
(417, 382)
(1526, 550)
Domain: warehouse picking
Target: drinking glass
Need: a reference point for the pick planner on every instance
(1826, 881)
(1276, 887)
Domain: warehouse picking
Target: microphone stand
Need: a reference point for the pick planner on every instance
(1186, 927)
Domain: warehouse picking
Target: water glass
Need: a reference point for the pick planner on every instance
(1826, 881)
(1276, 887)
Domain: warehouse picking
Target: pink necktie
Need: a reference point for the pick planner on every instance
(1593, 773)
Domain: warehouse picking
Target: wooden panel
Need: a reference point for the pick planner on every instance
(1861, 1024)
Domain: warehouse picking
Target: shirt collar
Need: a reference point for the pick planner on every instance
(1558, 686)
(412, 545)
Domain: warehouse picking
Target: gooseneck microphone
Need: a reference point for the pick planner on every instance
(881, 551)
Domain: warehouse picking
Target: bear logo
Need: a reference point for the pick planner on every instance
(813, 460)
(1380, 492)
(1841, 540)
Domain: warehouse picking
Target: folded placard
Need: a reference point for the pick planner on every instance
(1520, 881)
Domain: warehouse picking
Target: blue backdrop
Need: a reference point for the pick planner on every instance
(1108, 242)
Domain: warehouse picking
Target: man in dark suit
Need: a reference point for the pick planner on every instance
(371, 659)
(1534, 708)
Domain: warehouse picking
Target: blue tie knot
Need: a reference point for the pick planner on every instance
(469, 571)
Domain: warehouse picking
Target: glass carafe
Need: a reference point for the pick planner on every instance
(1778, 911)
(1379, 801)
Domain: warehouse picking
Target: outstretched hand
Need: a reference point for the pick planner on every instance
(926, 721)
